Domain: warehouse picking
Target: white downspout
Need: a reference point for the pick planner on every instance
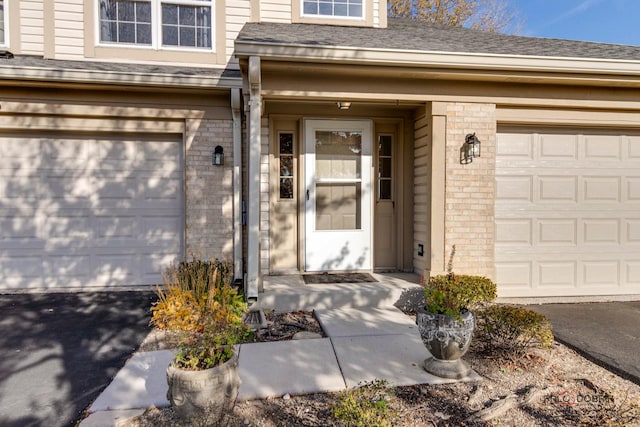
(253, 211)
(237, 183)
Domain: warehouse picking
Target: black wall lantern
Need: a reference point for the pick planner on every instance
(470, 148)
(218, 156)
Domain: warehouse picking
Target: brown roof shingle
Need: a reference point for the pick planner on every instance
(412, 35)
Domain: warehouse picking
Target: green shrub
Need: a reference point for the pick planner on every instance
(451, 293)
(211, 347)
(512, 331)
(366, 405)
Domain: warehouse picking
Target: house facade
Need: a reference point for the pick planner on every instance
(343, 137)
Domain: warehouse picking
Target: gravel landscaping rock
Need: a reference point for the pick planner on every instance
(545, 388)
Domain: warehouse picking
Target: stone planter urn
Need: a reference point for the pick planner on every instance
(447, 339)
(208, 392)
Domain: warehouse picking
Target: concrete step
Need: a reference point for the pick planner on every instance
(290, 293)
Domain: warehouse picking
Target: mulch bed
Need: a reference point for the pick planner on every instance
(284, 326)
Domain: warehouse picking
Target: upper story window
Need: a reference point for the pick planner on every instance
(333, 8)
(157, 23)
(3, 23)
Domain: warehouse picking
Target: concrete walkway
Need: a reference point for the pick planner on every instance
(607, 333)
(362, 344)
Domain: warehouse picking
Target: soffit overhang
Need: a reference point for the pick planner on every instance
(446, 65)
(39, 72)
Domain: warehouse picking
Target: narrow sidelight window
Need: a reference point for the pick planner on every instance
(385, 166)
(286, 165)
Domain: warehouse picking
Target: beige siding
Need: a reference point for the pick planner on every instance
(264, 198)
(32, 27)
(421, 185)
(69, 29)
(376, 13)
(237, 12)
(276, 11)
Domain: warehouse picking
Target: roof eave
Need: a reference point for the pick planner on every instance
(116, 78)
(434, 59)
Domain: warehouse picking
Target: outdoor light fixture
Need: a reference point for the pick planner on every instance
(343, 105)
(470, 148)
(218, 156)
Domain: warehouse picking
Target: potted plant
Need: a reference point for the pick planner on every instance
(446, 323)
(199, 303)
(203, 378)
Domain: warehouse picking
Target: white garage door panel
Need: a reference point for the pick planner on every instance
(567, 213)
(81, 212)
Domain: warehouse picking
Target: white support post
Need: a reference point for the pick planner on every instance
(237, 183)
(253, 199)
(438, 188)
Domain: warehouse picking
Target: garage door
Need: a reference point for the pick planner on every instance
(78, 211)
(567, 213)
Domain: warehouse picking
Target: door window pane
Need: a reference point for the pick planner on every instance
(286, 188)
(385, 167)
(338, 206)
(286, 166)
(338, 154)
(286, 143)
(385, 189)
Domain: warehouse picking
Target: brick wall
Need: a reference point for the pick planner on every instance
(470, 189)
(209, 190)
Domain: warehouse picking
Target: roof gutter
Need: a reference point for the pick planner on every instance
(433, 59)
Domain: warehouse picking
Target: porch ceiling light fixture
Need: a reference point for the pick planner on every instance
(217, 159)
(470, 149)
(343, 105)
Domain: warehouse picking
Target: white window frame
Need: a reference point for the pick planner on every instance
(346, 18)
(5, 18)
(156, 27)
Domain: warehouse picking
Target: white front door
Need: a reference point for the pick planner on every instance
(338, 195)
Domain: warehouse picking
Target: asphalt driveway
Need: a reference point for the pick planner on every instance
(608, 333)
(58, 351)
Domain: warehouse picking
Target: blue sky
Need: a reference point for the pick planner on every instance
(608, 21)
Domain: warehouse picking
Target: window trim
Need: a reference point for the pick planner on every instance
(337, 17)
(7, 27)
(156, 28)
(293, 175)
(298, 17)
(391, 178)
